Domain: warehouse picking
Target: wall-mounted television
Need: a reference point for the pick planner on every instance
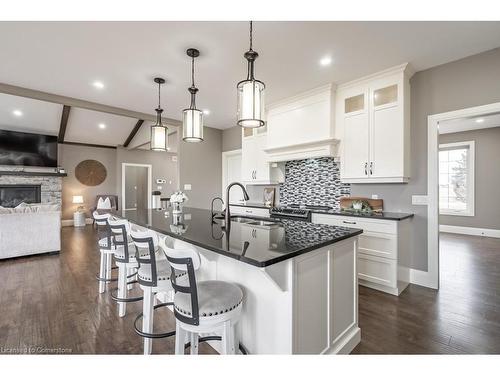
(36, 150)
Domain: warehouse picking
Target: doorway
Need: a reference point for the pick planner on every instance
(231, 172)
(136, 186)
(456, 183)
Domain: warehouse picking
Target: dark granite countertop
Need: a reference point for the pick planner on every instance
(258, 245)
(373, 215)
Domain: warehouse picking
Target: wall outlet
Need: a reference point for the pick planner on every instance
(159, 187)
(419, 200)
(374, 196)
(187, 187)
(174, 158)
(160, 181)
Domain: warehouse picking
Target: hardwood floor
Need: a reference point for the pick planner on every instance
(462, 317)
(51, 302)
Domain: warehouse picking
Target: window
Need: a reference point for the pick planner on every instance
(456, 178)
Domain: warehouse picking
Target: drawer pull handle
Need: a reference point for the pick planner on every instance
(349, 222)
(248, 211)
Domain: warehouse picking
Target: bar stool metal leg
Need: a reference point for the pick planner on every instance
(194, 342)
(180, 338)
(122, 288)
(147, 318)
(102, 273)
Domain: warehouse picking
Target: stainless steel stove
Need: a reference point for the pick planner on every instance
(297, 211)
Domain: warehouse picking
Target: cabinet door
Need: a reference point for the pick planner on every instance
(248, 158)
(355, 147)
(261, 165)
(387, 144)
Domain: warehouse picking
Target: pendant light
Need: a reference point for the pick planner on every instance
(192, 118)
(159, 133)
(251, 94)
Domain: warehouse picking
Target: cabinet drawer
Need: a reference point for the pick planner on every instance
(249, 211)
(377, 270)
(369, 225)
(378, 244)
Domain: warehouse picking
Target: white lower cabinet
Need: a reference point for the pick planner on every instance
(383, 251)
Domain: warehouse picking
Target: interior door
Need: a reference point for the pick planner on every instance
(356, 146)
(136, 187)
(233, 174)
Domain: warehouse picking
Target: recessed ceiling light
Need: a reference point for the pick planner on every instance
(325, 61)
(480, 120)
(102, 126)
(98, 85)
(206, 112)
(17, 113)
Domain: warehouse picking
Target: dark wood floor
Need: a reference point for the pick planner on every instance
(51, 302)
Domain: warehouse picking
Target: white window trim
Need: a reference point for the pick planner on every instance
(471, 182)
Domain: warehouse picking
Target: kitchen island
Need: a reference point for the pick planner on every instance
(298, 278)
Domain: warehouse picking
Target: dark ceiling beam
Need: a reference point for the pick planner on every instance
(133, 132)
(88, 145)
(64, 123)
(78, 103)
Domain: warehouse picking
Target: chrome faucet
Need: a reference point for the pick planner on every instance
(227, 215)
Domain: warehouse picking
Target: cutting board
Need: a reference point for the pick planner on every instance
(377, 205)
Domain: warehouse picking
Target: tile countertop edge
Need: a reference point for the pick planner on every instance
(252, 262)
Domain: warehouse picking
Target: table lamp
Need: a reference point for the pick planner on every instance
(78, 199)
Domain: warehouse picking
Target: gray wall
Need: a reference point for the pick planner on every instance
(163, 166)
(69, 157)
(200, 164)
(468, 82)
(231, 138)
(486, 175)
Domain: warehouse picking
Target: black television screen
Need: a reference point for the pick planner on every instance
(28, 149)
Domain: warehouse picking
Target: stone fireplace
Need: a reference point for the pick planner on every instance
(43, 189)
(12, 195)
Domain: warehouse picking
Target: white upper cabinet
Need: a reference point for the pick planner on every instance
(256, 168)
(302, 126)
(373, 122)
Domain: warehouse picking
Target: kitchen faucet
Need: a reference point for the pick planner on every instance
(227, 217)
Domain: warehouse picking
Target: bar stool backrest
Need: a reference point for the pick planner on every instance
(146, 239)
(184, 257)
(103, 230)
(120, 230)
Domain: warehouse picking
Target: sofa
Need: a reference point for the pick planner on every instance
(30, 229)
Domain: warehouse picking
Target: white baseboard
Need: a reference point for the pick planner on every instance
(470, 231)
(69, 223)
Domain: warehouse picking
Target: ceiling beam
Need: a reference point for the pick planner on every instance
(133, 132)
(73, 102)
(64, 123)
(87, 144)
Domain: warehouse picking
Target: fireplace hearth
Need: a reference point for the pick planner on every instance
(13, 195)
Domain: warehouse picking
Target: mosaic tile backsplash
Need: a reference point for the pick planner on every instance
(313, 181)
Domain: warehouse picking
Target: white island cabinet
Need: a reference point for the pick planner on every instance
(303, 305)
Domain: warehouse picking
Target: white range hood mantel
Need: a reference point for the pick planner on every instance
(302, 127)
(327, 147)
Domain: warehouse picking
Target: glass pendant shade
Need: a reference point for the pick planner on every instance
(251, 104)
(192, 120)
(159, 138)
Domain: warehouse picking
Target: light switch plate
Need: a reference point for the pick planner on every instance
(419, 200)
(187, 187)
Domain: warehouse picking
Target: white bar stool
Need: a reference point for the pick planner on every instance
(204, 307)
(106, 248)
(153, 277)
(125, 259)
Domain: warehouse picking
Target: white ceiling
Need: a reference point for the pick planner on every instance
(66, 57)
(469, 123)
(83, 127)
(37, 116)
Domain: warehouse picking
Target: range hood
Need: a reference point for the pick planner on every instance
(302, 127)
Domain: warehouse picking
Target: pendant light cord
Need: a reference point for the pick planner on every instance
(192, 71)
(159, 95)
(251, 35)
